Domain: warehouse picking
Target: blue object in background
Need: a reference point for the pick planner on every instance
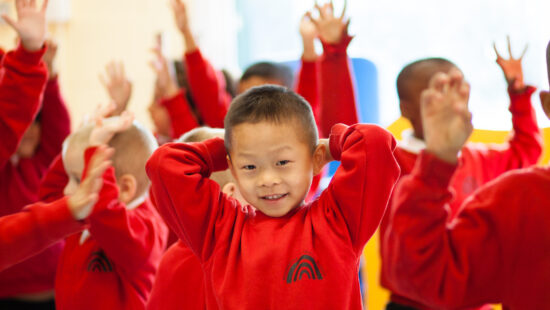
(365, 77)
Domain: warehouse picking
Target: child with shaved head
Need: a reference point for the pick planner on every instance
(276, 251)
(117, 254)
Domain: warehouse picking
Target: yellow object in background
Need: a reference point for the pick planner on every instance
(377, 297)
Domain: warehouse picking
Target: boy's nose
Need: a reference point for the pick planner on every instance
(269, 178)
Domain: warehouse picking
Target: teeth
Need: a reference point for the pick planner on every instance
(273, 197)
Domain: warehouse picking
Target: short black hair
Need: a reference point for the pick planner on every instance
(275, 104)
(409, 72)
(272, 71)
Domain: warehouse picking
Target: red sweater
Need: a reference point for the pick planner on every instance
(114, 267)
(20, 178)
(497, 250)
(36, 227)
(252, 261)
(478, 164)
(182, 118)
(179, 282)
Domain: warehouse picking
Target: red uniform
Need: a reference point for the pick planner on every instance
(36, 227)
(179, 282)
(307, 259)
(23, 79)
(497, 250)
(114, 267)
(479, 164)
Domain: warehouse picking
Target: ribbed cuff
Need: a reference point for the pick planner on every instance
(25, 56)
(335, 140)
(433, 171)
(217, 153)
(521, 102)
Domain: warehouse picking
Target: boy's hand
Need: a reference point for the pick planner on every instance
(49, 58)
(30, 24)
(512, 68)
(165, 85)
(105, 129)
(308, 31)
(82, 201)
(117, 86)
(330, 28)
(180, 16)
(446, 119)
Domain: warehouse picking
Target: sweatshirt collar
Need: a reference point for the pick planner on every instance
(410, 143)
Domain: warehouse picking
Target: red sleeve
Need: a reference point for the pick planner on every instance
(129, 237)
(54, 182)
(23, 76)
(181, 117)
(191, 204)
(55, 123)
(208, 89)
(308, 85)
(458, 265)
(525, 145)
(336, 87)
(33, 229)
(361, 187)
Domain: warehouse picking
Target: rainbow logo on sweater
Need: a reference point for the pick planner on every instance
(305, 265)
(98, 262)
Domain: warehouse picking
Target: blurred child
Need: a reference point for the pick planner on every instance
(179, 282)
(479, 163)
(39, 225)
(117, 255)
(34, 122)
(497, 249)
(278, 252)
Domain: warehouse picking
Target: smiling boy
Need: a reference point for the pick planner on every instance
(278, 252)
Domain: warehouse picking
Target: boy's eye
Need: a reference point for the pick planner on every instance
(249, 167)
(282, 162)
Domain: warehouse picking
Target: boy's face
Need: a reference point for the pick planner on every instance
(73, 161)
(273, 167)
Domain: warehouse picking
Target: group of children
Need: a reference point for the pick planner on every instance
(86, 215)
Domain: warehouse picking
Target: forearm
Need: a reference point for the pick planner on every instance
(23, 77)
(308, 85)
(208, 89)
(54, 182)
(337, 90)
(35, 228)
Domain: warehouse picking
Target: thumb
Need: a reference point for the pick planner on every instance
(10, 22)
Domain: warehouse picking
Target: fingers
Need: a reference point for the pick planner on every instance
(44, 6)
(496, 51)
(524, 51)
(509, 47)
(344, 11)
(10, 21)
(439, 81)
(313, 20)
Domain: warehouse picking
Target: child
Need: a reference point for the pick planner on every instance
(277, 252)
(39, 225)
(33, 124)
(479, 163)
(179, 282)
(497, 250)
(118, 253)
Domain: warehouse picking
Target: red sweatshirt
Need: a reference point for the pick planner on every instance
(20, 178)
(179, 283)
(497, 250)
(36, 227)
(337, 90)
(478, 164)
(253, 261)
(114, 267)
(181, 117)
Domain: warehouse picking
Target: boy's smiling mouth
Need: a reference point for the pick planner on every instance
(274, 197)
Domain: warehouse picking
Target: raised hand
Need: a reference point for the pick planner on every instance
(308, 31)
(182, 21)
(165, 84)
(105, 129)
(49, 58)
(446, 120)
(329, 27)
(117, 86)
(30, 24)
(512, 68)
(82, 201)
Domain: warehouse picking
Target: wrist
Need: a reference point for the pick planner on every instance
(309, 51)
(190, 44)
(449, 156)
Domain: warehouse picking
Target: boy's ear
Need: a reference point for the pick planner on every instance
(545, 101)
(319, 158)
(127, 185)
